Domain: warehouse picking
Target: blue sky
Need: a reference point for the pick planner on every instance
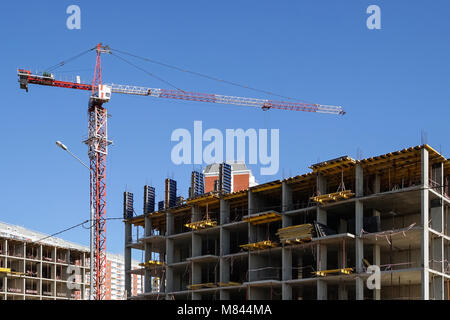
(392, 82)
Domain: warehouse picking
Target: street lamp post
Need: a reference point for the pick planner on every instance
(92, 219)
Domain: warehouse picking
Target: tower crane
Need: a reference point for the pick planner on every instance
(98, 142)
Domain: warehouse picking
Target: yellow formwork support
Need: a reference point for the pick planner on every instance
(151, 263)
(208, 223)
(201, 286)
(264, 217)
(259, 245)
(228, 284)
(324, 273)
(336, 196)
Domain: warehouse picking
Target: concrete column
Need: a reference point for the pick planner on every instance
(196, 278)
(322, 289)
(170, 226)
(252, 203)
(127, 258)
(224, 211)
(224, 276)
(196, 245)
(286, 197)
(169, 251)
(376, 184)
(196, 273)
(147, 273)
(376, 260)
(252, 233)
(196, 214)
(321, 217)
(147, 226)
(321, 184)
(359, 220)
(424, 213)
(286, 204)
(286, 272)
(224, 241)
(169, 280)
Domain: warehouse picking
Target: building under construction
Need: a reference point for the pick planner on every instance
(36, 266)
(312, 236)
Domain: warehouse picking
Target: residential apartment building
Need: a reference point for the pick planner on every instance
(34, 266)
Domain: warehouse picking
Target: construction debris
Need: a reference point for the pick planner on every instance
(296, 234)
(263, 217)
(303, 233)
(203, 224)
(259, 245)
(332, 197)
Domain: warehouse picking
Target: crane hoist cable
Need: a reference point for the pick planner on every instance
(207, 76)
(147, 72)
(62, 63)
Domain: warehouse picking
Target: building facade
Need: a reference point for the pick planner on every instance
(241, 177)
(34, 266)
(318, 235)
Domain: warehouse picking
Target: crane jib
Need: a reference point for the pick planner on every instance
(25, 77)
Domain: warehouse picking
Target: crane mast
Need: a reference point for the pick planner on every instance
(98, 142)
